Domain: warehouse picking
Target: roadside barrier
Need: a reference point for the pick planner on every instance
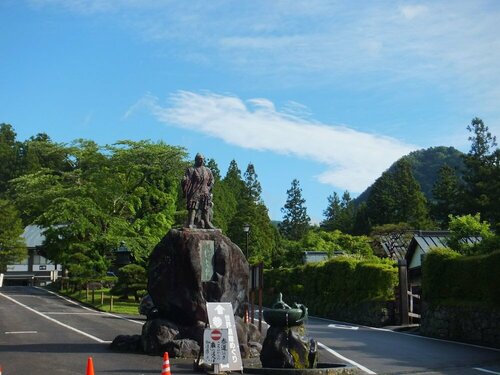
(90, 367)
(165, 369)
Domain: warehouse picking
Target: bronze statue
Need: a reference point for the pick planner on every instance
(197, 187)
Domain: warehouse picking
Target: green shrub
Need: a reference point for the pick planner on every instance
(131, 280)
(342, 283)
(452, 279)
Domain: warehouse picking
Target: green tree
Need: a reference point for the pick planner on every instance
(362, 223)
(225, 195)
(41, 152)
(252, 185)
(10, 156)
(12, 246)
(251, 210)
(448, 197)
(340, 214)
(482, 177)
(396, 197)
(212, 165)
(132, 279)
(332, 241)
(127, 191)
(463, 228)
(332, 212)
(295, 222)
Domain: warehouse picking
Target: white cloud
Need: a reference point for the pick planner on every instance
(353, 159)
(452, 44)
(412, 11)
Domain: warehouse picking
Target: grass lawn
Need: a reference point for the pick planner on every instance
(102, 301)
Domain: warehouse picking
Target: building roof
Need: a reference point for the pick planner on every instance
(428, 240)
(33, 236)
(396, 244)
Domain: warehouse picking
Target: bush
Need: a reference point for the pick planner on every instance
(131, 280)
(452, 279)
(340, 284)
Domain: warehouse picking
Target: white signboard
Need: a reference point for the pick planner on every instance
(215, 346)
(221, 316)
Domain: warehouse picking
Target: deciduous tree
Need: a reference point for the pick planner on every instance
(12, 246)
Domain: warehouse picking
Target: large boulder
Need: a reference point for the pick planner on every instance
(288, 347)
(190, 267)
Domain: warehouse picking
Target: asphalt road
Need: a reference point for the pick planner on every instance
(378, 351)
(42, 333)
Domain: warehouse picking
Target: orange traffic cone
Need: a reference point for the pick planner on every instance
(165, 369)
(90, 367)
(0, 370)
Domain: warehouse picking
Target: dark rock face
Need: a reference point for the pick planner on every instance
(182, 279)
(188, 268)
(127, 343)
(288, 347)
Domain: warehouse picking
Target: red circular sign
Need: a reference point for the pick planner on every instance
(216, 335)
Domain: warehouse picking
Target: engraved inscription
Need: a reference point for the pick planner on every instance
(207, 259)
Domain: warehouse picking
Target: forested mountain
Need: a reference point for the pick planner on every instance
(425, 165)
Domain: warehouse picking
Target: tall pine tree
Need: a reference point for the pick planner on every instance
(396, 198)
(447, 193)
(482, 175)
(340, 214)
(295, 222)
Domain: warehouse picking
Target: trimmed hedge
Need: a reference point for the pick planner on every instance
(332, 288)
(452, 279)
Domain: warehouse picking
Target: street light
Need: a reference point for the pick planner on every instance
(122, 255)
(246, 229)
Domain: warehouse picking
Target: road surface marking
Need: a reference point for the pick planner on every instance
(488, 371)
(331, 351)
(87, 308)
(70, 313)
(342, 326)
(19, 332)
(381, 329)
(416, 336)
(56, 321)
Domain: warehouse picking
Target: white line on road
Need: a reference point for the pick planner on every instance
(342, 326)
(19, 332)
(56, 321)
(331, 351)
(87, 308)
(488, 371)
(70, 313)
(418, 337)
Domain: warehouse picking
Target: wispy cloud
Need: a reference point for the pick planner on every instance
(353, 159)
(451, 44)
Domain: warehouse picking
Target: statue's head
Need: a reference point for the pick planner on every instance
(199, 159)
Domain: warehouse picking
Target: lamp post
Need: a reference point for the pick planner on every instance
(246, 229)
(122, 255)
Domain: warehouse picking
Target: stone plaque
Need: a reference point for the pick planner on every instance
(207, 259)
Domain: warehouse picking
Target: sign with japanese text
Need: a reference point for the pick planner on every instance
(221, 316)
(215, 346)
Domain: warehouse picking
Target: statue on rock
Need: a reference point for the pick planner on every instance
(197, 187)
(187, 269)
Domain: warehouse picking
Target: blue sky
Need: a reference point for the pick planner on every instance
(328, 92)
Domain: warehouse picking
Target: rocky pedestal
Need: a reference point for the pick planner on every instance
(288, 347)
(188, 268)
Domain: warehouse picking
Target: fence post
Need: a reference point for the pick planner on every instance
(111, 304)
(403, 291)
(102, 297)
(87, 293)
